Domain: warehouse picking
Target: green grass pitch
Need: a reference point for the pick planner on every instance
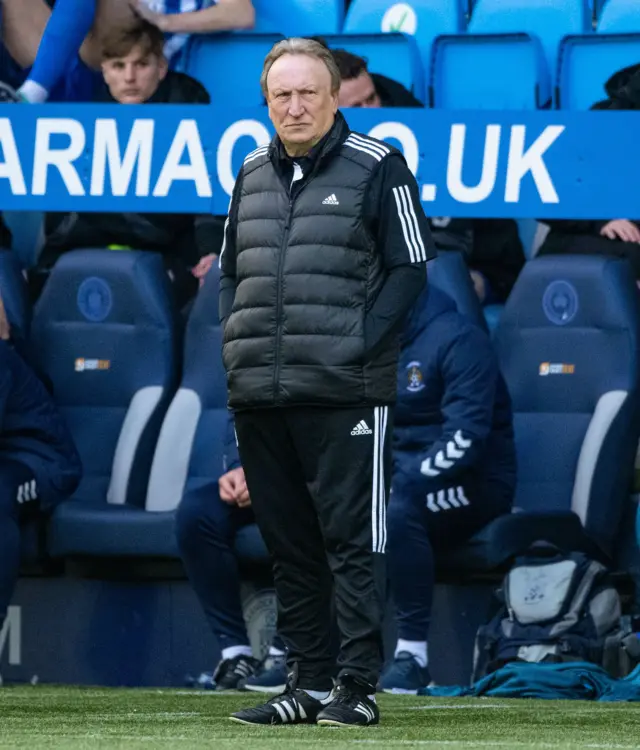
(61, 717)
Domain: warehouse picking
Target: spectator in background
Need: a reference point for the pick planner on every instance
(136, 72)
(360, 88)
(207, 522)
(62, 49)
(618, 237)
(492, 248)
(39, 465)
(454, 465)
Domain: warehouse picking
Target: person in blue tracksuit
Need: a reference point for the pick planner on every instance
(454, 464)
(39, 464)
(207, 522)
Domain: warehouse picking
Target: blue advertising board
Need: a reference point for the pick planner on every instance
(179, 159)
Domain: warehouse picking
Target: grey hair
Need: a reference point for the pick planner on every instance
(300, 46)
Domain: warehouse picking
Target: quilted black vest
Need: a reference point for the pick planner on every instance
(307, 272)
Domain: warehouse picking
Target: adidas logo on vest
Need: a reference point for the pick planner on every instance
(361, 429)
(331, 200)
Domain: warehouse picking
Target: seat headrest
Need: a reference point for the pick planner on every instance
(14, 293)
(568, 292)
(108, 286)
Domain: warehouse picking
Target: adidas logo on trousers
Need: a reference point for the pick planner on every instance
(361, 429)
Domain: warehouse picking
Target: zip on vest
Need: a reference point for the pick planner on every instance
(283, 248)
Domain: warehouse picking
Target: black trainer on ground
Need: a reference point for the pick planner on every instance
(231, 672)
(291, 707)
(349, 708)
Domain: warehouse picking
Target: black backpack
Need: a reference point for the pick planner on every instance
(555, 607)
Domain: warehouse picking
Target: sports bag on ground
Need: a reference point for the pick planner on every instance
(556, 607)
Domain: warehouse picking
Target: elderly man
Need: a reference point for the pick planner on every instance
(325, 252)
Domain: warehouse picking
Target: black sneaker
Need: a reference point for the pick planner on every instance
(349, 708)
(290, 707)
(231, 672)
(270, 677)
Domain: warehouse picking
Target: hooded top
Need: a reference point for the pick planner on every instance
(453, 420)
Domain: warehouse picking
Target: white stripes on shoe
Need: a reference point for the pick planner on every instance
(290, 710)
(378, 489)
(409, 222)
(363, 709)
(367, 146)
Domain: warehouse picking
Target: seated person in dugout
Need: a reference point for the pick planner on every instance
(454, 465)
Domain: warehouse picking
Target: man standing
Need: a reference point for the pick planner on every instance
(325, 252)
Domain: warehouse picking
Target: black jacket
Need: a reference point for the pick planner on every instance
(319, 272)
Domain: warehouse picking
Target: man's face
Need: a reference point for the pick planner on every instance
(359, 92)
(134, 79)
(301, 105)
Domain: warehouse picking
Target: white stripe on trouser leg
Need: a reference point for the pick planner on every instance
(383, 488)
(375, 480)
(378, 488)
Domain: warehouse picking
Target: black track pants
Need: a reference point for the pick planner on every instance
(319, 483)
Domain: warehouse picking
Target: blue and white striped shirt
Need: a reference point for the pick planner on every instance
(175, 42)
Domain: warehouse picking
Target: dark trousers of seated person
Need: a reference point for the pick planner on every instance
(19, 502)
(206, 528)
(421, 528)
(565, 243)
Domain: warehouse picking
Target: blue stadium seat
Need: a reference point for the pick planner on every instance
(547, 20)
(105, 331)
(450, 274)
(489, 71)
(14, 294)
(212, 58)
(619, 17)
(189, 453)
(423, 19)
(299, 17)
(576, 415)
(393, 55)
(586, 64)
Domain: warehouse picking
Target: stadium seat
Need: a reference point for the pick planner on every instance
(450, 274)
(423, 19)
(105, 331)
(393, 55)
(14, 294)
(189, 453)
(212, 58)
(489, 71)
(299, 17)
(619, 17)
(587, 63)
(547, 20)
(576, 415)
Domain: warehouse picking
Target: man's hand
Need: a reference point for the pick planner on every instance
(233, 488)
(203, 267)
(621, 229)
(140, 8)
